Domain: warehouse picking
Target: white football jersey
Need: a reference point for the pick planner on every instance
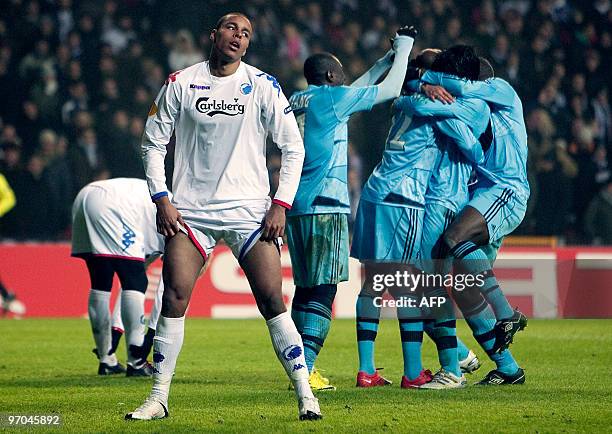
(221, 125)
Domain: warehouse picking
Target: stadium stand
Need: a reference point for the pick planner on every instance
(77, 78)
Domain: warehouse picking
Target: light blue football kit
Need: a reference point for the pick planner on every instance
(317, 228)
(447, 193)
(503, 190)
(456, 127)
(389, 221)
(500, 196)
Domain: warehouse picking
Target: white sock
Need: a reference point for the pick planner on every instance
(157, 305)
(167, 345)
(116, 321)
(100, 319)
(132, 313)
(289, 349)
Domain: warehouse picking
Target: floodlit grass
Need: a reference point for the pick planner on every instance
(228, 380)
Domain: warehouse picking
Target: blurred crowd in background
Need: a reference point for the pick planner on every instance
(77, 79)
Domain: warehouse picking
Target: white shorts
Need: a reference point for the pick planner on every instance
(239, 227)
(102, 230)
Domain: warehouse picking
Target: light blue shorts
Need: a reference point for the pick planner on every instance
(437, 218)
(501, 209)
(387, 233)
(318, 245)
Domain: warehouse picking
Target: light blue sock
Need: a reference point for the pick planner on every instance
(317, 321)
(482, 324)
(411, 332)
(472, 260)
(445, 327)
(462, 350)
(368, 316)
(298, 308)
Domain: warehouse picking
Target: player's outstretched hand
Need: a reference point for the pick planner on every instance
(167, 218)
(404, 38)
(408, 31)
(437, 93)
(274, 223)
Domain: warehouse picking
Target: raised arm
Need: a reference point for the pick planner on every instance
(418, 105)
(371, 76)
(463, 137)
(391, 86)
(495, 90)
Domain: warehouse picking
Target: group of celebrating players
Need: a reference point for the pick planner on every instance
(450, 185)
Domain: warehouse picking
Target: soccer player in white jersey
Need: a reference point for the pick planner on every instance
(113, 230)
(221, 111)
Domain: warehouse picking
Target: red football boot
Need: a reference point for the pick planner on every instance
(424, 377)
(371, 380)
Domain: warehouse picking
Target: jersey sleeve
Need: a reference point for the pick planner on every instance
(283, 128)
(418, 105)
(413, 85)
(372, 75)
(348, 100)
(495, 90)
(158, 130)
(463, 137)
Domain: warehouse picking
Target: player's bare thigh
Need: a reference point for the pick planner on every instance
(262, 268)
(468, 225)
(182, 265)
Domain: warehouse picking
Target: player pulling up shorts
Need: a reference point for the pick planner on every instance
(113, 230)
(221, 111)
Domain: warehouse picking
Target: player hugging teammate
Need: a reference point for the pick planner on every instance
(452, 122)
(419, 192)
(416, 213)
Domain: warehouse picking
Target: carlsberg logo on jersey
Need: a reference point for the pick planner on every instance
(215, 107)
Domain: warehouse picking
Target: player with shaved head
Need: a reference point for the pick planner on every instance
(317, 228)
(221, 111)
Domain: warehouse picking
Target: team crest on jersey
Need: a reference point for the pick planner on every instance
(246, 88)
(212, 107)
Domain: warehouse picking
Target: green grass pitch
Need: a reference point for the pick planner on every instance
(229, 380)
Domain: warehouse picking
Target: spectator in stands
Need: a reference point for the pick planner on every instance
(94, 60)
(57, 178)
(85, 160)
(598, 217)
(78, 101)
(554, 169)
(184, 52)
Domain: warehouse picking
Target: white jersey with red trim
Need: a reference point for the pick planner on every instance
(115, 218)
(221, 125)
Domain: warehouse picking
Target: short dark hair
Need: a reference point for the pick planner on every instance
(317, 66)
(425, 59)
(486, 69)
(459, 60)
(225, 17)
